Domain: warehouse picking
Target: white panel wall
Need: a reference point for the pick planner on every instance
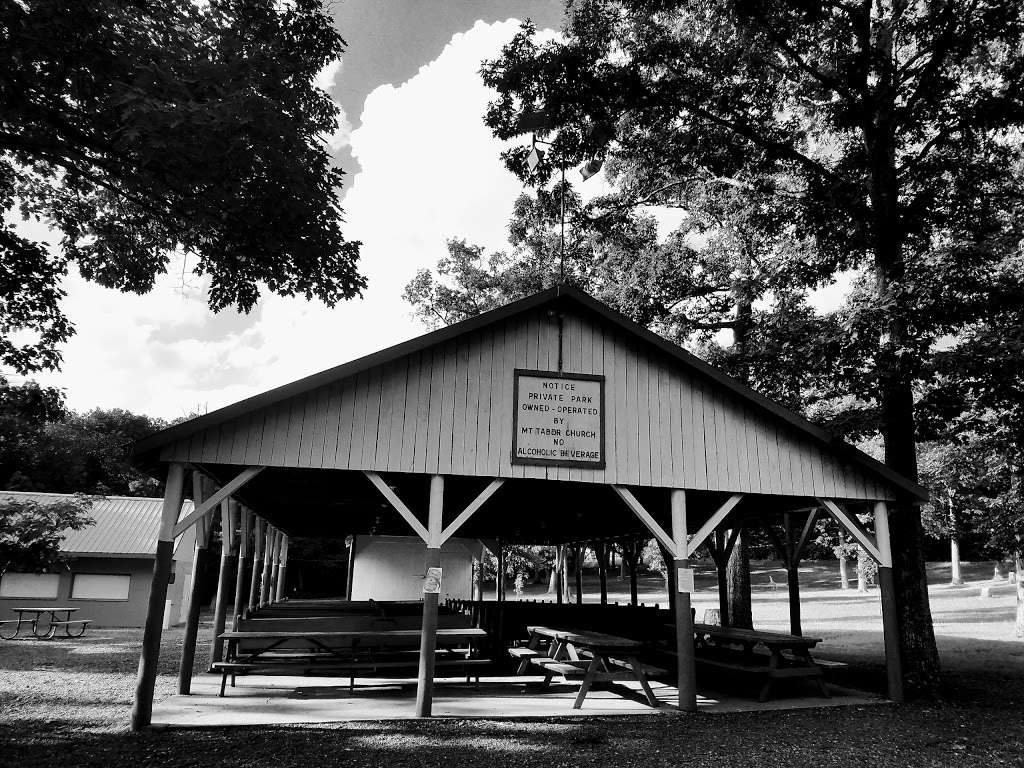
(392, 568)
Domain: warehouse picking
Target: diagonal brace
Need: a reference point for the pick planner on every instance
(645, 517)
(216, 498)
(852, 524)
(470, 510)
(714, 521)
(399, 505)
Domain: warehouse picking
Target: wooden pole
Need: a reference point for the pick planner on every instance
(601, 552)
(559, 574)
(721, 564)
(890, 627)
(428, 635)
(188, 644)
(220, 607)
(282, 570)
(636, 548)
(275, 565)
(351, 567)
(142, 710)
(243, 516)
(792, 575)
(687, 673)
(257, 558)
(268, 554)
(499, 576)
(578, 552)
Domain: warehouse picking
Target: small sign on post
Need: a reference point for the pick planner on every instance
(684, 579)
(432, 582)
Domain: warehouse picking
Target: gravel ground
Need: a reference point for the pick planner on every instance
(66, 703)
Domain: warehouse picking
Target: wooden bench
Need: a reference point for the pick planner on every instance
(307, 664)
(761, 665)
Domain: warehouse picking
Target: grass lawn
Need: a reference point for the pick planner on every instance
(67, 703)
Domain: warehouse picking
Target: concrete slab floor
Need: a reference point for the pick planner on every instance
(278, 700)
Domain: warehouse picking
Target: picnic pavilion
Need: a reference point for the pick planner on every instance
(553, 419)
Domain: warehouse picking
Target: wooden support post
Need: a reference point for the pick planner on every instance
(792, 575)
(275, 565)
(428, 635)
(890, 627)
(257, 566)
(499, 574)
(268, 554)
(351, 567)
(243, 516)
(686, 676)
(578, 551)
(601, 552)
(220, 607)
(282, 570)
(721, 566)
(559, 574)
(142, 710)
(188, 644)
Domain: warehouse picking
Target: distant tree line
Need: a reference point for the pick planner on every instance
(44, 446)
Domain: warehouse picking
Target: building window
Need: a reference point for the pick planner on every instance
(100, 586)
(39, 585)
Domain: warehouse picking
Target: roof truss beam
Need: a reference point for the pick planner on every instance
(852, 524)
(470, 510)
(398, 504)
(714, 521)
(645, 517)
(214, 499)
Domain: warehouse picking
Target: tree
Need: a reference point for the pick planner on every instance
(30, 533)
(852, 113)
(25, 410)
(140, 129)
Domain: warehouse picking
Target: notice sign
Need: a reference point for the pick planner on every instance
(684, 579)
(559, 419)
(432, 582)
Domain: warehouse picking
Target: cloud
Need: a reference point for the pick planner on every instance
(430, 171)
(341, 137)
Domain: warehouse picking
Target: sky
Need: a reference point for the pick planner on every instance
(421, 168)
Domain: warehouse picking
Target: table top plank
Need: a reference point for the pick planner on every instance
(587, 639)
(780, 639)
(27, 609)
(466, 633)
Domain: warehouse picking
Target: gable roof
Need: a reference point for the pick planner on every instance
(145, 450)
(126, 526)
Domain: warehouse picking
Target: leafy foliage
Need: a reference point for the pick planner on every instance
(140, 129)
(884, 132)
(45, 447)
(30, 533)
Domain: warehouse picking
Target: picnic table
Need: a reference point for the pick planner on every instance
(789, 656)
(341, 650)
(591, 657)
(30, 615)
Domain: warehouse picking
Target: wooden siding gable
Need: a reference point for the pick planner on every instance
(447, 408)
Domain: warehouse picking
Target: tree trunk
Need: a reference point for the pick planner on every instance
(844, 572)
(738, 577)
(601, 552)
(894, 372)
(1020, 596)
(956, 578)
(553, 580)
